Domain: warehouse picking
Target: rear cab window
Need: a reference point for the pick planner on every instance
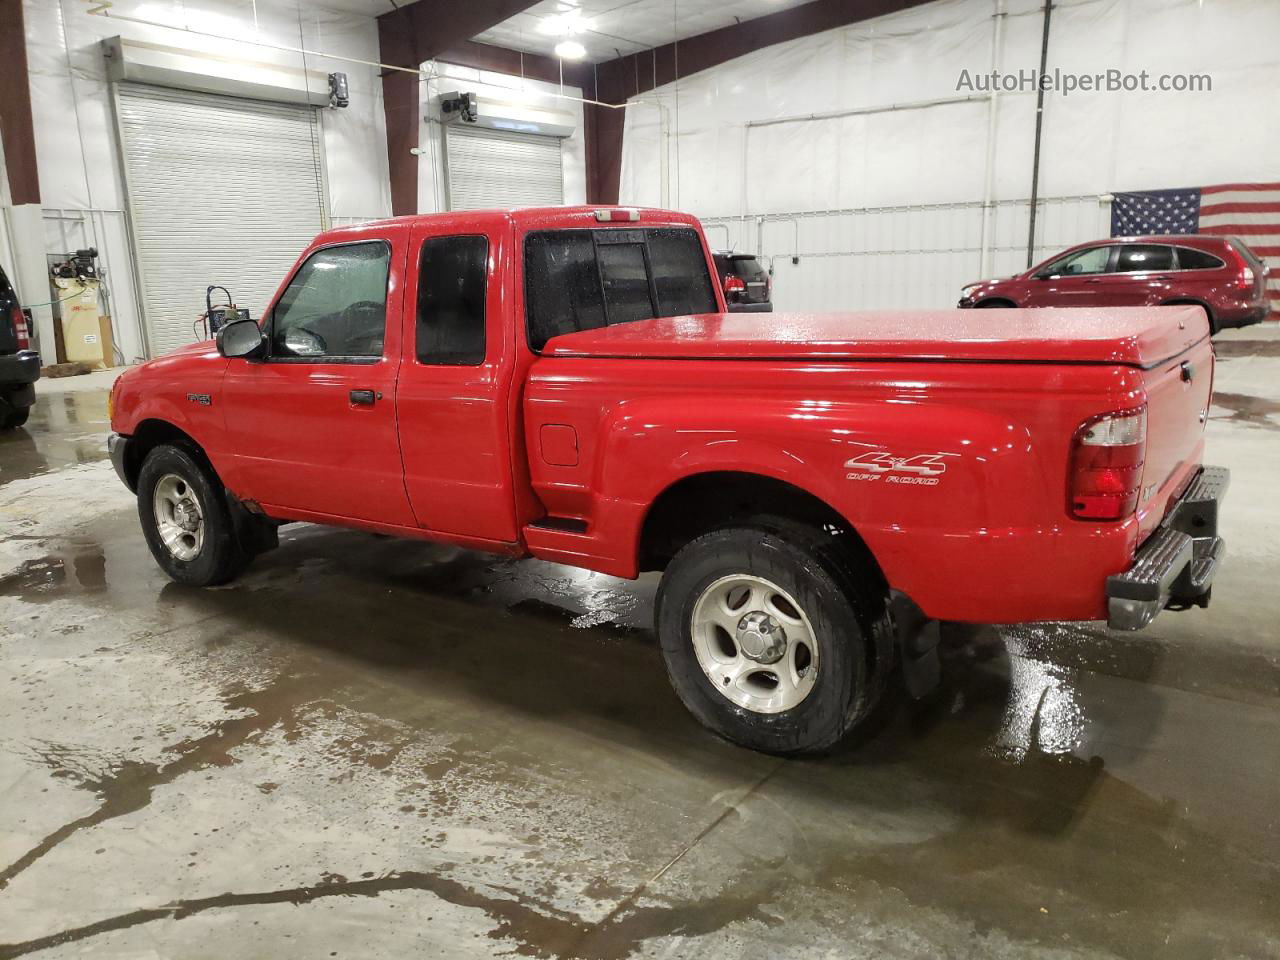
(583, 279)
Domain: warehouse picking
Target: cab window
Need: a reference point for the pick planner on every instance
(584, 279)
(1189, 259)
(1144, 258)
(452, 279)
(1093, 260)
(335, 307)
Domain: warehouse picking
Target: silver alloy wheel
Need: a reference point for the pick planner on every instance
(755, 643)
(179, 516)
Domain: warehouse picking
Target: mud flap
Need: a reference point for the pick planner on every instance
(918, 638)
(255, 532)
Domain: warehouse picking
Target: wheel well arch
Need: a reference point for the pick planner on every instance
(995, 302)
(150, 434)
(703, 502)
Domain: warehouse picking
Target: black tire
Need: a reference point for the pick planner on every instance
(219, 558)
(846, 604)
(12, 417)
(996, 305)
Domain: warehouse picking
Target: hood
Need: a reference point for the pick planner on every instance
(1136, 336)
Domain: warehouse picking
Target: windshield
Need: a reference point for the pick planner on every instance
(585, 279)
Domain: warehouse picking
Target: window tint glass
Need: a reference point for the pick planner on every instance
(1143, 258)
(336, 304)
(562, 284)
(451, 293)
(625, 281)
(584, 279)
(680, 273)
(748, 268)
(1093, 260)
(1189, 259)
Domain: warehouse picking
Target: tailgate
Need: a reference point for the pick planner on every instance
(1178, 392)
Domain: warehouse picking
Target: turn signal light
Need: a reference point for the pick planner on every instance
(1106, 465)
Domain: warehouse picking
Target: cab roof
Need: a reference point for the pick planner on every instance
(530, 218)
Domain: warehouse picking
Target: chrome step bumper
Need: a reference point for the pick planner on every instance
(1176, 566)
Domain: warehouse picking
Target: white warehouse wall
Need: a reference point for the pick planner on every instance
(913, 178)
(81, 183)
(536, 94)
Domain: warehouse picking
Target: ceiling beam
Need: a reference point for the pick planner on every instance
(414, 33)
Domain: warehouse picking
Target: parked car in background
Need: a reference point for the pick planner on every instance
(815, 488)
(19, 365)
(1220, 274)
(747, 285)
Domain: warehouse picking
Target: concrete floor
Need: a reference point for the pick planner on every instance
(372, 748)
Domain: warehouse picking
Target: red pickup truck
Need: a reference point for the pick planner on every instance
(819, 490)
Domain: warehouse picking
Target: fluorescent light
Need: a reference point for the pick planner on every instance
(570, 50)
(565, 24)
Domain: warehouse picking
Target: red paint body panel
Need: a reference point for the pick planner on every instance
(1102, 335)
(603, 422)
(1231, 301)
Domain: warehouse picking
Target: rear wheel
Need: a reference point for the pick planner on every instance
(991, 304)
(186, 520)
(769, 632)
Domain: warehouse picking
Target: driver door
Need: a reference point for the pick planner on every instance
(312, 426)
(1076, 280)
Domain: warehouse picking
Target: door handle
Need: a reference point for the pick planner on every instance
(1093, 281)
(364, 398)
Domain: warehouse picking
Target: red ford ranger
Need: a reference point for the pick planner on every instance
(818, 491)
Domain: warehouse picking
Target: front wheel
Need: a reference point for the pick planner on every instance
(185, 519)
(769, 634)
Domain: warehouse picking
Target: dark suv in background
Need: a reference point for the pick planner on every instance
(1220, 274)
(746, 283)
(19, 366)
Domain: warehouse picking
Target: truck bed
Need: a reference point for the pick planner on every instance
(1133, 336)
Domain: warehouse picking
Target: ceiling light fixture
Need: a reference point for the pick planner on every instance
(570, 50)
(565, 24)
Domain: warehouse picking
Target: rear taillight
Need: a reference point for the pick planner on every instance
(1106, 465)
(20, 328)
(733, 286)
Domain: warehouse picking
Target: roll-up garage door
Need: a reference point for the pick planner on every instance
(222, 190)
(496, 168)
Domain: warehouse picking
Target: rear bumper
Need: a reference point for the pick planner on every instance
(1176, 566)
(766, 307)
(19, 369)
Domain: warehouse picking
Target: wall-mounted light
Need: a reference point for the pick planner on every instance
(570, 50)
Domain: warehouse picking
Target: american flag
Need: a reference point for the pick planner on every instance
(1250, 211)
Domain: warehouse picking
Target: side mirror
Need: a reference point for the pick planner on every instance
(242, 338)
(1043, 275)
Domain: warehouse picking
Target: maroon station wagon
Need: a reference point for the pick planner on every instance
(1220, 274)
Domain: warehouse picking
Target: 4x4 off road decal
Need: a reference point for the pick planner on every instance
(922, 470)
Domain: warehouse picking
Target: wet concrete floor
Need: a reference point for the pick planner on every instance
(368, 748)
